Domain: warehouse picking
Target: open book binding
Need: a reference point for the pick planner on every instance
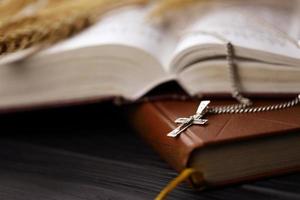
(125, 54)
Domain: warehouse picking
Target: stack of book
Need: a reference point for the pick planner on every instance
(218, 49)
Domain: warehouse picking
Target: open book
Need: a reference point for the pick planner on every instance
(126, 54)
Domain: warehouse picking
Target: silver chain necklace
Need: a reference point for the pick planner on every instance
(244, 105)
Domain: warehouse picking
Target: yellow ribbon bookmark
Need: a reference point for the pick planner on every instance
(183, 176)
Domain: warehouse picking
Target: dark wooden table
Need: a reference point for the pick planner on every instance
(90, 153)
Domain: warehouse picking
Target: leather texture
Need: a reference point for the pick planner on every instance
(153, 120)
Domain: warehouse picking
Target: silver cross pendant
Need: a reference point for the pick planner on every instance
(195, 119)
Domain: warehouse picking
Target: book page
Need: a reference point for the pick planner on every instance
(259, 25)
(126, 27)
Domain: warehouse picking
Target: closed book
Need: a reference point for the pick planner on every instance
(230, 148)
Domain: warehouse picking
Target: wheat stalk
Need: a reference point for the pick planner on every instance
(60, 19)
(9, 8)
(165, 7)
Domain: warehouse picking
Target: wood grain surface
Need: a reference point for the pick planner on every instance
(90, 153)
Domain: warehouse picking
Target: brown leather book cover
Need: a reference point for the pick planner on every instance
(153, 120)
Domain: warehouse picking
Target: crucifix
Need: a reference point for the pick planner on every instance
(195, 119)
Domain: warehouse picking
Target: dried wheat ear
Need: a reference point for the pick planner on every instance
(50, 22)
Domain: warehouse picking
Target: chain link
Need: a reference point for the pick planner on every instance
(245, 104)
(235, 109)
